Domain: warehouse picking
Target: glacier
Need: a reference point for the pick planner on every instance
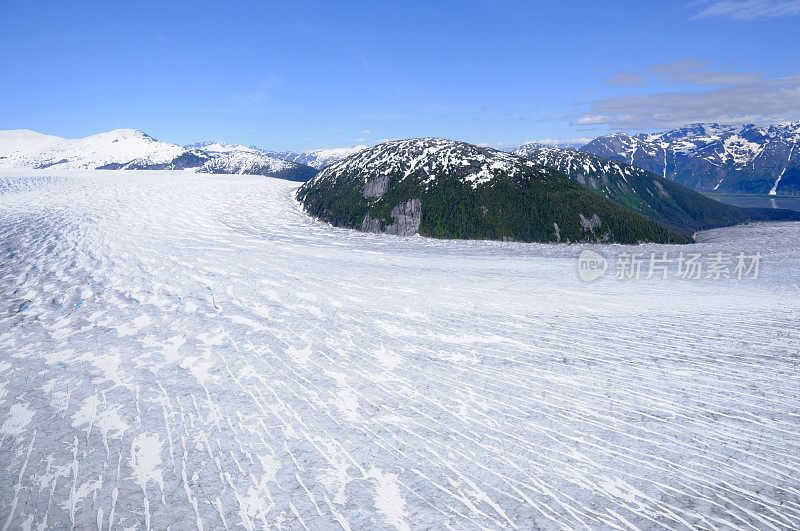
(191, 350)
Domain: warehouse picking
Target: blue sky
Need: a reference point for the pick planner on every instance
(300, 75)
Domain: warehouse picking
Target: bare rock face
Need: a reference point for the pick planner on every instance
(376, 187)
(406, 218)
(371, 225)
(661, 191)
(589, 224)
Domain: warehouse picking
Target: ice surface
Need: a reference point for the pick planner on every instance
(184, 350)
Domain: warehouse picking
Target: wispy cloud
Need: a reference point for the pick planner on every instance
(752, 100)
(624, 79)
(696, 72)
(686, 71)
(749, 9)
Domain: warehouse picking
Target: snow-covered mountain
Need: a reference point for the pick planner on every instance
(660, 199)
(447, 189)
(236, 158)
(317, 158)
(121, 148)
(706, 157)
(129, 149)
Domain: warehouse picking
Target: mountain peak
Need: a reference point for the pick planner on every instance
(125, 134)
(430, 156)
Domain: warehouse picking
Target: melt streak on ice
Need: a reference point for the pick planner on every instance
(191, 350)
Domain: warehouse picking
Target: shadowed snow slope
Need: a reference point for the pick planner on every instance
(192, 350)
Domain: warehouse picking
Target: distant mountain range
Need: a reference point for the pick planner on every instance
(317, 158)
(712, 157)
(447, 189)
(660, 199)
(129, 149)
(704, 157)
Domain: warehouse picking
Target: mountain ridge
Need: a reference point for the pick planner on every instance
(712, 157)
(317, 158)
(660, 199)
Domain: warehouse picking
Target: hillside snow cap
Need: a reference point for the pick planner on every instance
(431, 157)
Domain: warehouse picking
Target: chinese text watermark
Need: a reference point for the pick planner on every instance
(662, 265)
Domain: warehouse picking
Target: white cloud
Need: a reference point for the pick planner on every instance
(366, 132)
(686, 71)
(750, 9)
(760, 100)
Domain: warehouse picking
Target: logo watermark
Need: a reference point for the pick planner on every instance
(592, 265)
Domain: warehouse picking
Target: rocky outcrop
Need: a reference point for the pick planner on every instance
(661, 191)
(375, 188)
(406, 216)
(589, 224)
(405, 219)
(371, 224)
